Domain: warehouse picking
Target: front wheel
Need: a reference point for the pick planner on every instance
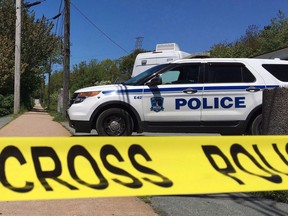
(114, 122)
(256, 126)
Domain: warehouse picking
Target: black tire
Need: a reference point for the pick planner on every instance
(256, 126)
(114, 122)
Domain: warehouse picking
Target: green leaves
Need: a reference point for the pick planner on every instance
(38, 45)
(256, 42)
(6, 63)
(84, 74)
(6, 104)
(127, 62)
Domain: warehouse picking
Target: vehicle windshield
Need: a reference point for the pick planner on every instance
(136, 79)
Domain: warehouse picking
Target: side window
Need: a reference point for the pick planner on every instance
(228, 73)
(277, 70)
(182, 75)
(247, 75)
(169, 77)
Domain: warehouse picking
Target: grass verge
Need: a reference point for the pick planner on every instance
(145, 199)
(279, 196)
(58, 117)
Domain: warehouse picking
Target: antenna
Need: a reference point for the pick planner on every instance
(138, 44)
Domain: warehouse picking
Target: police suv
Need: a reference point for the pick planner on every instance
(190, 95)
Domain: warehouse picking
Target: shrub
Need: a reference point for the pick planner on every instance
(6, 104)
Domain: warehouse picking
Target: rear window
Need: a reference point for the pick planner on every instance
(277, 70)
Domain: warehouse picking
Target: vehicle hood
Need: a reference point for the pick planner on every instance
(102, 88)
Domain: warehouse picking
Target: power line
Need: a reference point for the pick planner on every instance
(52, 18)
(60, 7)
(28, 5)
(92, 23)
(59, 12)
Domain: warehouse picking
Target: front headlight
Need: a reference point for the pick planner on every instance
(88, 94)
(83, 95)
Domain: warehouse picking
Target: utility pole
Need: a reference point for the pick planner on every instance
(49, 83)
(66, 72)
(17, 58)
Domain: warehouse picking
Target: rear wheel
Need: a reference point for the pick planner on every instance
(256, 126)
(114, 122)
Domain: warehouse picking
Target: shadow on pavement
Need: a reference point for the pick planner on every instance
(241, 202)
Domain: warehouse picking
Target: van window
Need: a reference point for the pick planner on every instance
(277, 70)
(228, 73)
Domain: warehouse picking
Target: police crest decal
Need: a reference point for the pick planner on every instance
(157, 104)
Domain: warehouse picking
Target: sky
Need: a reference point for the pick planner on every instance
(107, 29)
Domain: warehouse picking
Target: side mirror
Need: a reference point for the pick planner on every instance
(157, 80)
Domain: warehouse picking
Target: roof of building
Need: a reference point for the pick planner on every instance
(282, 54)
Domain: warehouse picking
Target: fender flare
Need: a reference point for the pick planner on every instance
(255, 112)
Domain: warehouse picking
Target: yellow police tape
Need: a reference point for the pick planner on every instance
(79, 167)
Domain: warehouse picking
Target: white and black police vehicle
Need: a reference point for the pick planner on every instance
(188, 96)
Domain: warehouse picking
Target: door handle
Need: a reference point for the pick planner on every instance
(253, 89)
(190, 91)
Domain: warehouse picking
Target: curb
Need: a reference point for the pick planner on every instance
(5, 120)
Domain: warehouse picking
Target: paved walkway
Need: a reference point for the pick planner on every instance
(39, 123)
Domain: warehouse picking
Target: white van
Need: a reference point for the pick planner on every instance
(163, 54)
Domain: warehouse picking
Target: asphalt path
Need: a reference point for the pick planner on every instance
(223, 204)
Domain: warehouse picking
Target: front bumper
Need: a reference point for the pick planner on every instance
(80, 126)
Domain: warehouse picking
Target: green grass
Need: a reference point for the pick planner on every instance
(58, 117)
(145, 199)
(279, 196)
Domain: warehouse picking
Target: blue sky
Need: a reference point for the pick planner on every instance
(194, 25)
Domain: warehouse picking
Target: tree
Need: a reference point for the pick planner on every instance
(38, 45)
(275, 35)
(84, 75)
(6, 65)
(223, 50)
(256, 42)
(127, 62)
(88, 74)
(7, 34)
(109, 70)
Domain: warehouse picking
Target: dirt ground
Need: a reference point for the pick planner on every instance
(38, 123)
